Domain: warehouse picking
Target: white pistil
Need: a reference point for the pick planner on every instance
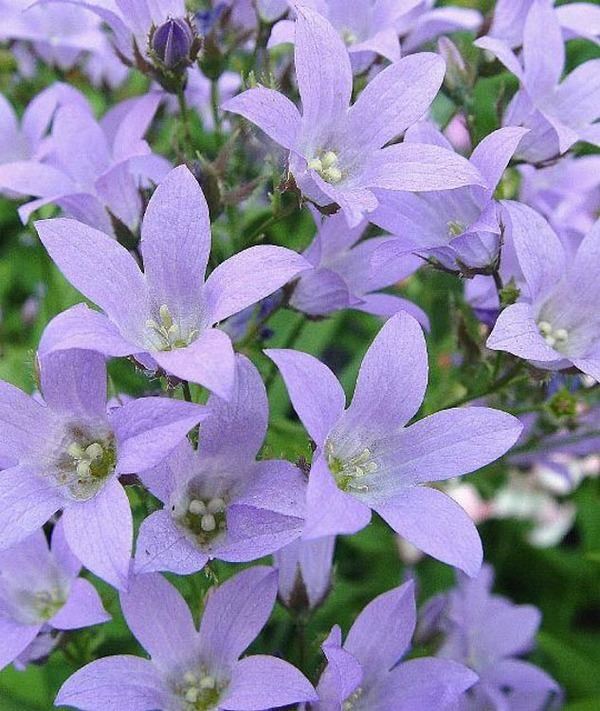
(84, 458)
(327, 166)
(169, 333)
(555, 338)
(455, 228)
(350, 473)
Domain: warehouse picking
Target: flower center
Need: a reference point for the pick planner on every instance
(350, 703)
(327, 165)
(86, 464)
(349, 36)
(455, 228)
(205, 518)
(349, 473)
(556, 338)
(170, 334)
(199, 691)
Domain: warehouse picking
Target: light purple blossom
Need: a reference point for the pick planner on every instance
(219, 502)
(365, 672)
(555, 323)
(577, 19)
(40, 591)
(92, 170)
(304, 572)
(559, 113)
(68, 453)
(460, 228)
(488, 633)
(366, 458)
(343, 275)
(168, 316)
(189, 669)
(337, 153)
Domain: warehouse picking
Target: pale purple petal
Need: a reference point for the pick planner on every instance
(235, 613)
(392, 379)
(260, 682)
(83, 328)
(323, 72)
(74, 382)
(518, 674)
(176, 243)
(508, 632)
(161, 545)
(418, 167)
(119, 682)
(23, 422)
(342, 675)
(576, 101)
(492, 154)
(517, 332)
(39, 179)
(149, 428)
(343, 514)
(271, 111)
(82, 608)
(387, 305)
(160, 620)
(382, 632)
(314, 390)
(311, 561)
(319, 292)
(543, 49)
(208, 361)
(27, 501)
(437, 525)
(98, 267)
(503, 53)
(15, 638)
(100, 533)
(248, 277)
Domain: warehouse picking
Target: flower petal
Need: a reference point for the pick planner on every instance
(516, 332)
(15, 638)
(82, 608)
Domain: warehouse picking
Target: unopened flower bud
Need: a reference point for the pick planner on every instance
(175, 43)
(458, 77)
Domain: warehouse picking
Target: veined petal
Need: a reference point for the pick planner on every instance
(271, 111)
(23, 423)
(15, 638)
(82, 608)
(543, 49)
(493, 153)
(517, 332)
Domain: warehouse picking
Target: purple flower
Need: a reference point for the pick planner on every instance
(190, 669)
(555, 323)
(219, 502)
(92, 170)
(558, 113)
(40, 591)
(367, 459)
(304, 572)
(577, 19)
(343, 275)
(337, 153)
(68, 453)
(27, 139)
(459, 228)
(365, 673)
(168, 311)
(487, 633)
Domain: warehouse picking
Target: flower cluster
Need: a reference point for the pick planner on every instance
(244, 234)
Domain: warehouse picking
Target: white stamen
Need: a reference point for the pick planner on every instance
(208, 523)
(327, 165)
(216, 505)
(555, 338)
(197, 507)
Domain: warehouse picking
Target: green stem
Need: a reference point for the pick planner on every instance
(215, 102)
(187, 393)
(185, 118)
(498, 384)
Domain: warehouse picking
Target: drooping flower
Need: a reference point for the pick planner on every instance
(68, 452)
(489, 633)
(40, 591)
(557, 113)
(366, 673)
(460, 228)
(304, 572)
(169, 312)
(555, 323)
(343, 274)
(219, 502)
(366, 458)
(191, 670)
(336, 151)
(93, 171)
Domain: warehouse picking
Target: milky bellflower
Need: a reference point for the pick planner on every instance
(304, 572)
(337, 153)
(68, 453)
(168, 311)
(343, 274)
(40, 591)
(559, 113)
(365, 673)
(366, 458)
(91, 169)
(459, 228)
(488, 633)
(190, 670)
(219, 502)
(555, 323)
